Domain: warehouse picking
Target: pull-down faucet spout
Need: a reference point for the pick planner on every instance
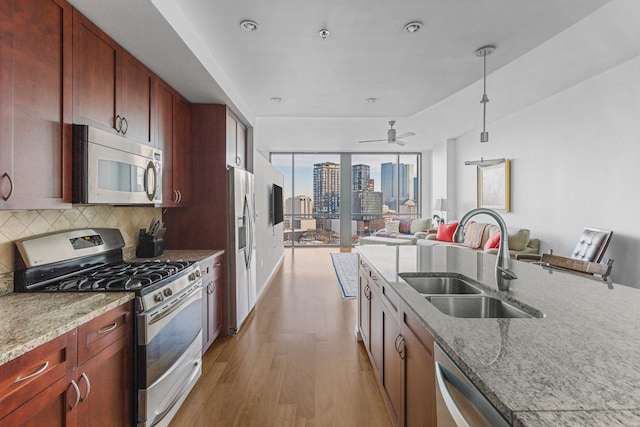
(504, 275)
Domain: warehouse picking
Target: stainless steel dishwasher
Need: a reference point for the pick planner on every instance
(459, 403)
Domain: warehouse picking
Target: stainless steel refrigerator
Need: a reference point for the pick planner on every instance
(241, 249)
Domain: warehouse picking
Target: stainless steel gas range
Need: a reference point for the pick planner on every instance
(168, 307)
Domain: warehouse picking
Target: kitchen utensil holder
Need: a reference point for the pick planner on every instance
(148, 247)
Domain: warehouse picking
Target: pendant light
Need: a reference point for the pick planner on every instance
(484, 135)
(484, 52)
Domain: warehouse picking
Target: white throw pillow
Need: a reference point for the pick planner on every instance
(393, 226)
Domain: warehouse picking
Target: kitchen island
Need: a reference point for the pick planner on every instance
(576, 366)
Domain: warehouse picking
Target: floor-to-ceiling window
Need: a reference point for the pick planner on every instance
(382, 186)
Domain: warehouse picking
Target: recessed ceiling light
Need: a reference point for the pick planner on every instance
(249, 25)
(276, 99)
(324, 33)
(371, 100)
(413, 27)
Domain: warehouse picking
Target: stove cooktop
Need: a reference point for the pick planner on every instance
(123, 276)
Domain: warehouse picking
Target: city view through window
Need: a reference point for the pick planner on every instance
(382, 186)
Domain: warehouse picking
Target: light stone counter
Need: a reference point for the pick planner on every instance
(32, 319)
(185, 254)
(577, 366)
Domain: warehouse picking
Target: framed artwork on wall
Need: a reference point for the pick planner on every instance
(494, 186)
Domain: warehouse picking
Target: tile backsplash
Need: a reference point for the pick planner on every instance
(16, 225)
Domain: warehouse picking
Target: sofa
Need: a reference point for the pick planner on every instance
(485, 237)
(410, 231)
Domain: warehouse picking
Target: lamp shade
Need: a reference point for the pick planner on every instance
(440, 205)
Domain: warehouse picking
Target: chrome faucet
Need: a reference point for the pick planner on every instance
(504, 275)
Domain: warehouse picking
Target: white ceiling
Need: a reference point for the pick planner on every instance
(198, 47)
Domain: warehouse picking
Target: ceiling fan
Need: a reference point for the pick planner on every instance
(392, 138)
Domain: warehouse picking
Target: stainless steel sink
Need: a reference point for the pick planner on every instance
(439, 284)
(477, 306)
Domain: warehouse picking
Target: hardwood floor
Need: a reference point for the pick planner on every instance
(295, 362)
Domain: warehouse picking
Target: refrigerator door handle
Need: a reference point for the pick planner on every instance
(250, 223)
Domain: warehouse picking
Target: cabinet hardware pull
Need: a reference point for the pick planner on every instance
(179, 196)
(401, 347)
(396, 343)
(124, 121)
(118, 125)
(238, 160)
(86, 379)
(213, 287)
(367, 292)
(109, 328)
(77, 390)
(374, 277)
(6, 175)
(209, 288)
(38, 372)
(217, 264)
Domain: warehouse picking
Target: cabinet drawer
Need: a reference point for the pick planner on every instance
(212, 266)
(34, 371)
(97, 334)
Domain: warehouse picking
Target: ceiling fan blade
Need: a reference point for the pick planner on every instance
(405, 135)
(400, 143)
(372, 140)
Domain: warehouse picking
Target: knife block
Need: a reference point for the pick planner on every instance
(148, 247)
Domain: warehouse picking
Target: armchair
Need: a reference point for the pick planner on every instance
(585, 258)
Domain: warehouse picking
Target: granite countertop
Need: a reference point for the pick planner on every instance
(32, 319)
(577, 366)
(186, 254)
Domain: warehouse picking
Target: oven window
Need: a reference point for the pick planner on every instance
(172, 341)
(118, 176)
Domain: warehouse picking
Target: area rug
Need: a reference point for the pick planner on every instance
(346, 266)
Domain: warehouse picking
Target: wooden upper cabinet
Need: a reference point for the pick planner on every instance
(35, 104)
(173, 137)
(182, 158)
(111, 89)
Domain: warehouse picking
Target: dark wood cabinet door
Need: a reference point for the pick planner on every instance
(35, 104)
(105, 384)
(419, 376)
(213, 301)
(376, 342)
(364, 308)
(182, 168)
(136, 107)
(57, 405)
(164, 139)
(96, 77)
(393, 367)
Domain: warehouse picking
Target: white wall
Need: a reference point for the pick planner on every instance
(269, 238)
(574, 165)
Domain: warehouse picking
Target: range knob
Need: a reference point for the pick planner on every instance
(193, 276)
(159, 297)
(168, 292)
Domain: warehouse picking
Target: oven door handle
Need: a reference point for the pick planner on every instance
(176, 306)
(159, 416)
(150, 326)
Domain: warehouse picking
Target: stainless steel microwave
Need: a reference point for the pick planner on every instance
(110, 169)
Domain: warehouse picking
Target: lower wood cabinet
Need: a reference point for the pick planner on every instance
(212, 299)
(59, 384)
(400, 349)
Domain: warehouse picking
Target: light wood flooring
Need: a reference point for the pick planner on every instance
(295, 362)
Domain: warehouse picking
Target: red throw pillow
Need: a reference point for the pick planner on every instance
(446, 231)
(493, 241)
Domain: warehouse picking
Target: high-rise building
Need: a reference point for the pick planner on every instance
(360, 177)
(405, 181)
(397, 184)
(299, 205)
(366, 205)
(326, 188)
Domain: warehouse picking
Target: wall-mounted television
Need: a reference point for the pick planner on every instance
(277, 210)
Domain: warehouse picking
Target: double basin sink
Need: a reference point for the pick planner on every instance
(457, 297)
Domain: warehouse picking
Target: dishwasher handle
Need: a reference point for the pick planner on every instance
(484, 412)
